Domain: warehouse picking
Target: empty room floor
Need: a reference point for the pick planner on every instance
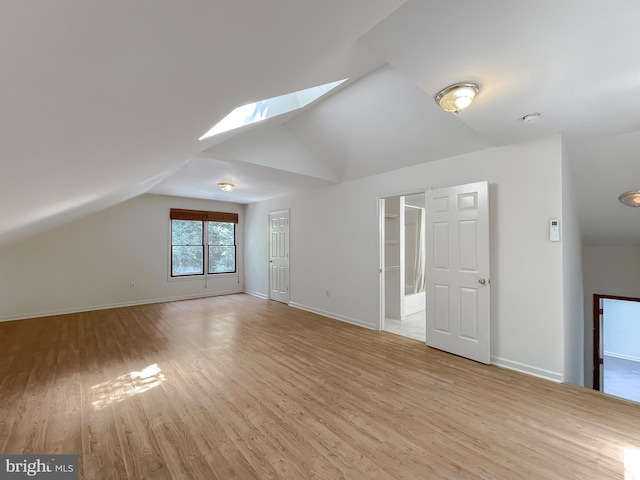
(622, 378)
(238, 387)
(414, 326)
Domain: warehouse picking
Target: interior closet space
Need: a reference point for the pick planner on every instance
(404, 265)
(393, 255)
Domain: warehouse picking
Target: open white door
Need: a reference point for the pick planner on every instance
(458, 270)
(279, 256)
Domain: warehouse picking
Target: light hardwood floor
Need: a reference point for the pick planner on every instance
(240, 387)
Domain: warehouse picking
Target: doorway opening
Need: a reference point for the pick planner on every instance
(404, 265)
(616, 352)
(456, 269)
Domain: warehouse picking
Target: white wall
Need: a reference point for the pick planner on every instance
(89, 264)
(334, 234)
(256, 248)
(572, 288)
(607, 271)
(335, 246)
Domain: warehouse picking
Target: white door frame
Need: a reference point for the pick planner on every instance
(381, 260)
(380, 202)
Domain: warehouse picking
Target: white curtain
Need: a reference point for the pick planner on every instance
(419, 280)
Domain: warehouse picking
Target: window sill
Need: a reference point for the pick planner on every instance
(208, 277)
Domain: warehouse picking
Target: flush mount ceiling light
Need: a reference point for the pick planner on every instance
(226, 186)
(630, 199)
(457, 96)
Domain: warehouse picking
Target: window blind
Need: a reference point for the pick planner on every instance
(203, 215)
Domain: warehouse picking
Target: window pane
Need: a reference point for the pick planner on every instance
(222, 259)
(187, 260)
(221, 233)
(186, 232)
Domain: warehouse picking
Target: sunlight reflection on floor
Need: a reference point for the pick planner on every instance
(632, 464)
(127, 385)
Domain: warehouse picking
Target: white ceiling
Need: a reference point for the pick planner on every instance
(103, 101)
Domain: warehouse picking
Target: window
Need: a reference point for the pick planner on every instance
(202, 242)
(187, 248)
(221, 241)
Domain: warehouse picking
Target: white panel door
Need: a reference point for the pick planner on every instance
(279, 256)
(458, 270)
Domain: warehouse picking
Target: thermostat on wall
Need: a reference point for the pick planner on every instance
(554, 230)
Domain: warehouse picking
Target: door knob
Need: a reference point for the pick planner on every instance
(482, 281)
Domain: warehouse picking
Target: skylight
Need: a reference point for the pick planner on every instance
(255, 112)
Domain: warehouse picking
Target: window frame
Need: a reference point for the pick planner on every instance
(201, 245)
(209, 245)
(204, 218)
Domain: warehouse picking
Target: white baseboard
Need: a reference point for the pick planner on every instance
(256, 294)
(342, 318)
(90, 308)
(528, 369)
(624, 357)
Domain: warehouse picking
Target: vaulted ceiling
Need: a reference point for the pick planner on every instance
(103, 101)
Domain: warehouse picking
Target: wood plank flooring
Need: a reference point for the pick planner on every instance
(237, 387)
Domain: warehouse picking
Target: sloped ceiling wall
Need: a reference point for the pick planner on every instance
(102, 98)
(104, 101)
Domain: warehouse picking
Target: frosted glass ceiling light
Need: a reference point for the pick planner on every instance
(457, 96)
(226, 186)
(630, 199)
